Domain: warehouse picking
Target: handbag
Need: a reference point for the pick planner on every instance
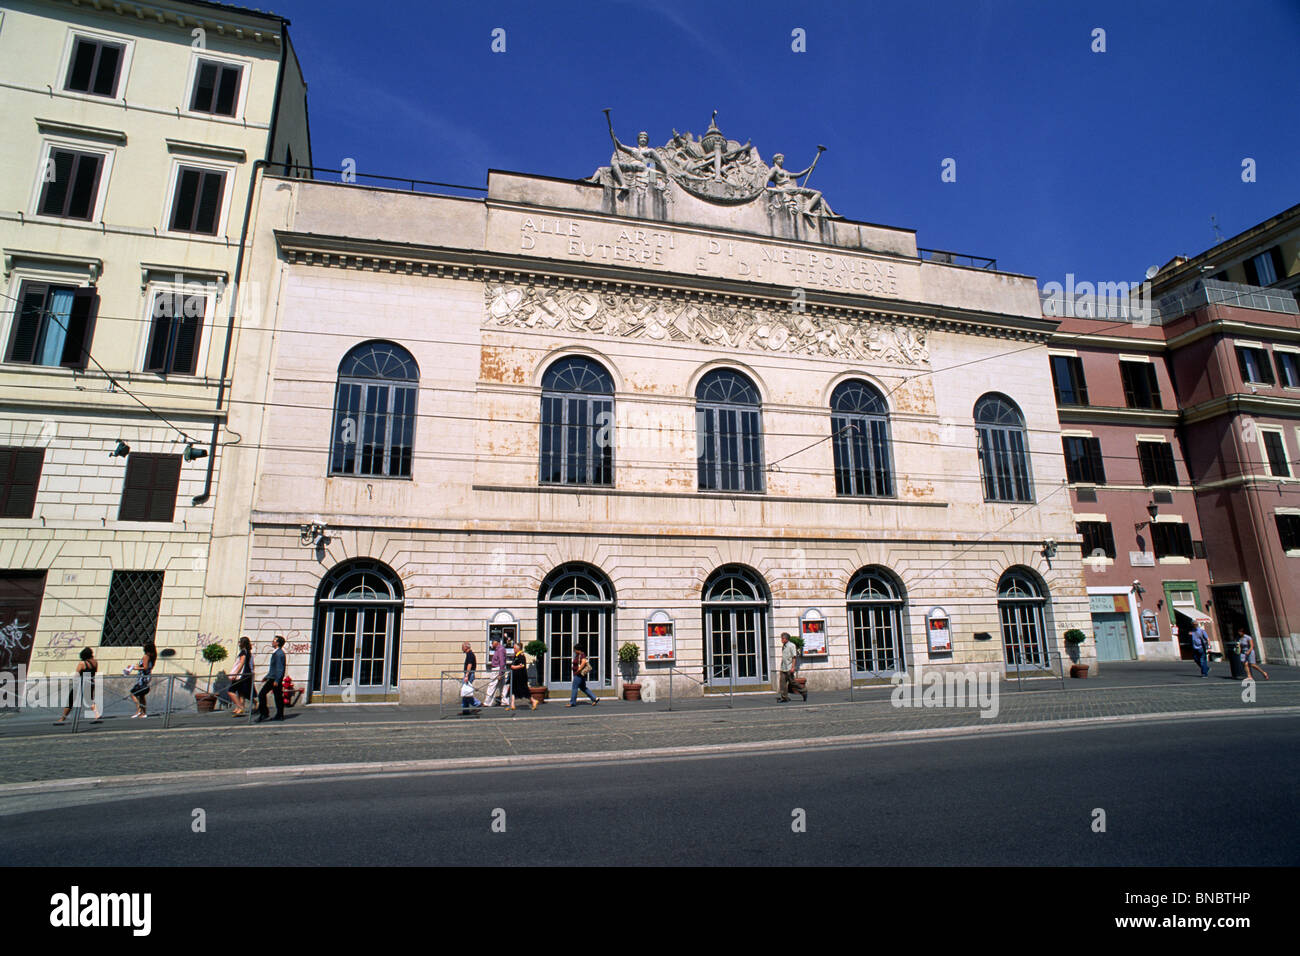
(585, 669)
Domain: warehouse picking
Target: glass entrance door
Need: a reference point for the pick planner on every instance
(1022, 635)
(588, 628)
(736, 640)
(358, 650)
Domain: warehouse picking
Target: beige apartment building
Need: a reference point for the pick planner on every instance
(133, 132)
(680, 404)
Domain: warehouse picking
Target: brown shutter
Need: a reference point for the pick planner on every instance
(20, 470)
(81, 328)
(135, 488)
(22, 346)
(166, 481)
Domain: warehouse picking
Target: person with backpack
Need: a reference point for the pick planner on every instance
(581, 667)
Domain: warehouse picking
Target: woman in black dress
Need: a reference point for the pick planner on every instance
(519, 678)
(86, 670)
(241, 677)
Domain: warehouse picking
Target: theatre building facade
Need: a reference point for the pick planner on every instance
(680, 404)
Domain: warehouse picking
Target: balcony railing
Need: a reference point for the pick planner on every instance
(956, 259)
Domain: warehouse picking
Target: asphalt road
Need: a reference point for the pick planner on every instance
(1196, 792)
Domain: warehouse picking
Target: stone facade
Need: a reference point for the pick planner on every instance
(487, 295)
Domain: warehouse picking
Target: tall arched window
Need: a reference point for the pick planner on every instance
(1022, 606)
(860, 436)
(374, 412)
(358, 632)
(875, 604)
(1003, 450)
(575, 607)
(577, 437)
(735, 626)
(728, 432)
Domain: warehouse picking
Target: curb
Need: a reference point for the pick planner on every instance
(255, 775)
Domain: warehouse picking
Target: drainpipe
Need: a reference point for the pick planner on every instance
(258, 166)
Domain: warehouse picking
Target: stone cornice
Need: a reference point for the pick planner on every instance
(1110, 415)
(1236, 403)
(1233, 327)
(480, 265)
(225, 20)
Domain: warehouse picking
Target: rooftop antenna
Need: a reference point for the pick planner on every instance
(1214, 224)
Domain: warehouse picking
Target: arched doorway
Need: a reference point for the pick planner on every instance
(875, 606)
(575, 606)
(358, 633)
(1022, 607)
(736, 605)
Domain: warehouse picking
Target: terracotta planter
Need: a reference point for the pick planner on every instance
(1078, 670)
(206, 703)
(631, 691)
(539, 694)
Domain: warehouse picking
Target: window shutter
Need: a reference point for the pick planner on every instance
(21, 470)
(22, 347)
(227, 90)
(1279, 266)
(187, 188)
(1153, 386)
(164, 306)
(209, 201)
(1095, 462)
(81, 328)
(1252, 274)
(187, 339)
(135, 488)
(204, 84)
(1265, 368)
(166, 482)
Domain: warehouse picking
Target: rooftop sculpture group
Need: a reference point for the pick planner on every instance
(712, 168)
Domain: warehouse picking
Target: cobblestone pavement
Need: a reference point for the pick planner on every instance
(33, 750)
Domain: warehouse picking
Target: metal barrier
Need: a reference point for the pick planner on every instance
(108, 696)
(731, 689)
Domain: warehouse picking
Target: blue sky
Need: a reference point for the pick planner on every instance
(1100, 164)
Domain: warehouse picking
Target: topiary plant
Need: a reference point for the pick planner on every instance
(1075, 636)
(629, 653)
(213, 654)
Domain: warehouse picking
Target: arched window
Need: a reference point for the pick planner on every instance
(735, 626)
(728, 432)
(1003, 450)
(875, 605)
(860, 430)
(575, 607)
(577, 437)
(374, 412)
(1021, 606)
(358, 632)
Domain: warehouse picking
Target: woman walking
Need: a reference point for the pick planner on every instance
(1246, 646)
(140, 689)
(241, 678)
(519, 678)
(86, 670)
(581, 667)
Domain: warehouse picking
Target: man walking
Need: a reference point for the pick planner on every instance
(1201, 649)
(497, 665)
(274, 683)
(468, 705)
(789, 663)
(580, 670)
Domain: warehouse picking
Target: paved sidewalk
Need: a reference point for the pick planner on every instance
(32, 750)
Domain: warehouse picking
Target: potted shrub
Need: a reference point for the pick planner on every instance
(213, 654)
(537, 688)
(629, 656)
(1073, 638)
